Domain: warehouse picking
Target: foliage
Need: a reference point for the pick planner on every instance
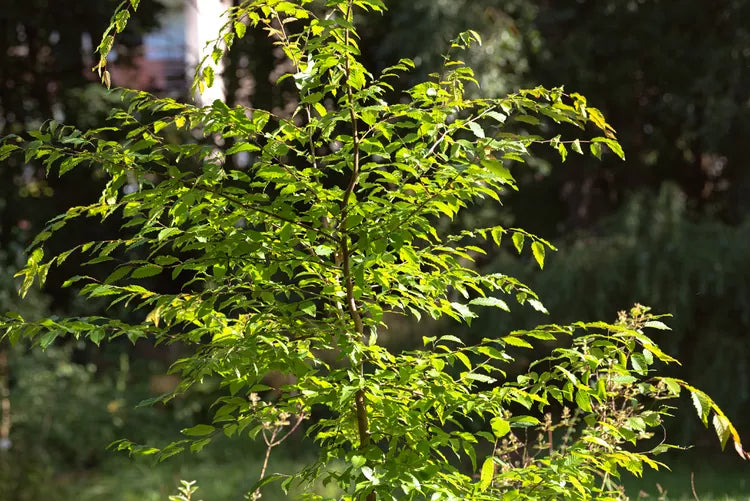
(289, 263)
(677, 89)
(656, 250)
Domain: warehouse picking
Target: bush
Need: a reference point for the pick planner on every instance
(287, 266)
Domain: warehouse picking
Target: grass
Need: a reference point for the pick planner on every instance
(714, 478)
(228, 470)
(225, 472)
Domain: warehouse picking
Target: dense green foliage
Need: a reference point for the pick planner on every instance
(291, 262)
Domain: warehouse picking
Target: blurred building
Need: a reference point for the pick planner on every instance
(164, 60)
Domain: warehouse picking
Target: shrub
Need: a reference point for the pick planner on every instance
(288, 265)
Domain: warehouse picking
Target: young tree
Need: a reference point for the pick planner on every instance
(290, 263)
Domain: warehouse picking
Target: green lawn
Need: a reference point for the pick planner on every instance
(715, 477)
(226, 472)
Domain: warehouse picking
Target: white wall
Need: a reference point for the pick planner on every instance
(203, 19)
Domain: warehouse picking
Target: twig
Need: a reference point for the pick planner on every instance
(692, 485)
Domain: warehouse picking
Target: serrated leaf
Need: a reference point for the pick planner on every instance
(639, 363)
(464, 359)
(518, 239)
(117, 274)
(159, 125)
(97, 335)
(538, 306)
(537, 248)
(148, 270)
(583, 401)
(239, 147)
(655, 324)
(370, 475)
(463, 310)
(516, 341)
(240, 29)
(500, 427)
(322, 111)
(47, 339)
(576, 146)
(524, 421)
(490, 301)
(611, 144)
(451, 338)
(482, 378)
(476, 129)
(721, 425)
(487, 474)
(596, 150)
(309, 308)
(267, 479)
(701, 404)
(6, 149)
(198, 430)
(208, 77)
(499, 170)
(167, 232)
(358, 461)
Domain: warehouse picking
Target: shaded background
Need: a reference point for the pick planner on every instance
(669, 227)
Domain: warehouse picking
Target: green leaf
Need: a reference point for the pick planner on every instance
(487, 474)
(702, 405)
(117, 274)
(464, 359)
(370, 475)
(6, 149)
(583, 400)
(198, 430)
(576, 146)
(148, 270)
(612, 144)
(476, 129)
(167, 232)
(640, 365)
(240, 29)
(516, 341)
(242, 146)
(537, 305)
(518, 239)
(655, 324)
(451, 338)
(500, 427)
(490, 301)
(524, 421)
(309, 308)
(596, 150)
(722, 427)
(208, 76)
(498, 169)
(463, 311)
(219, 271)
(537, 248)
(97, 335)
(358, 462)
